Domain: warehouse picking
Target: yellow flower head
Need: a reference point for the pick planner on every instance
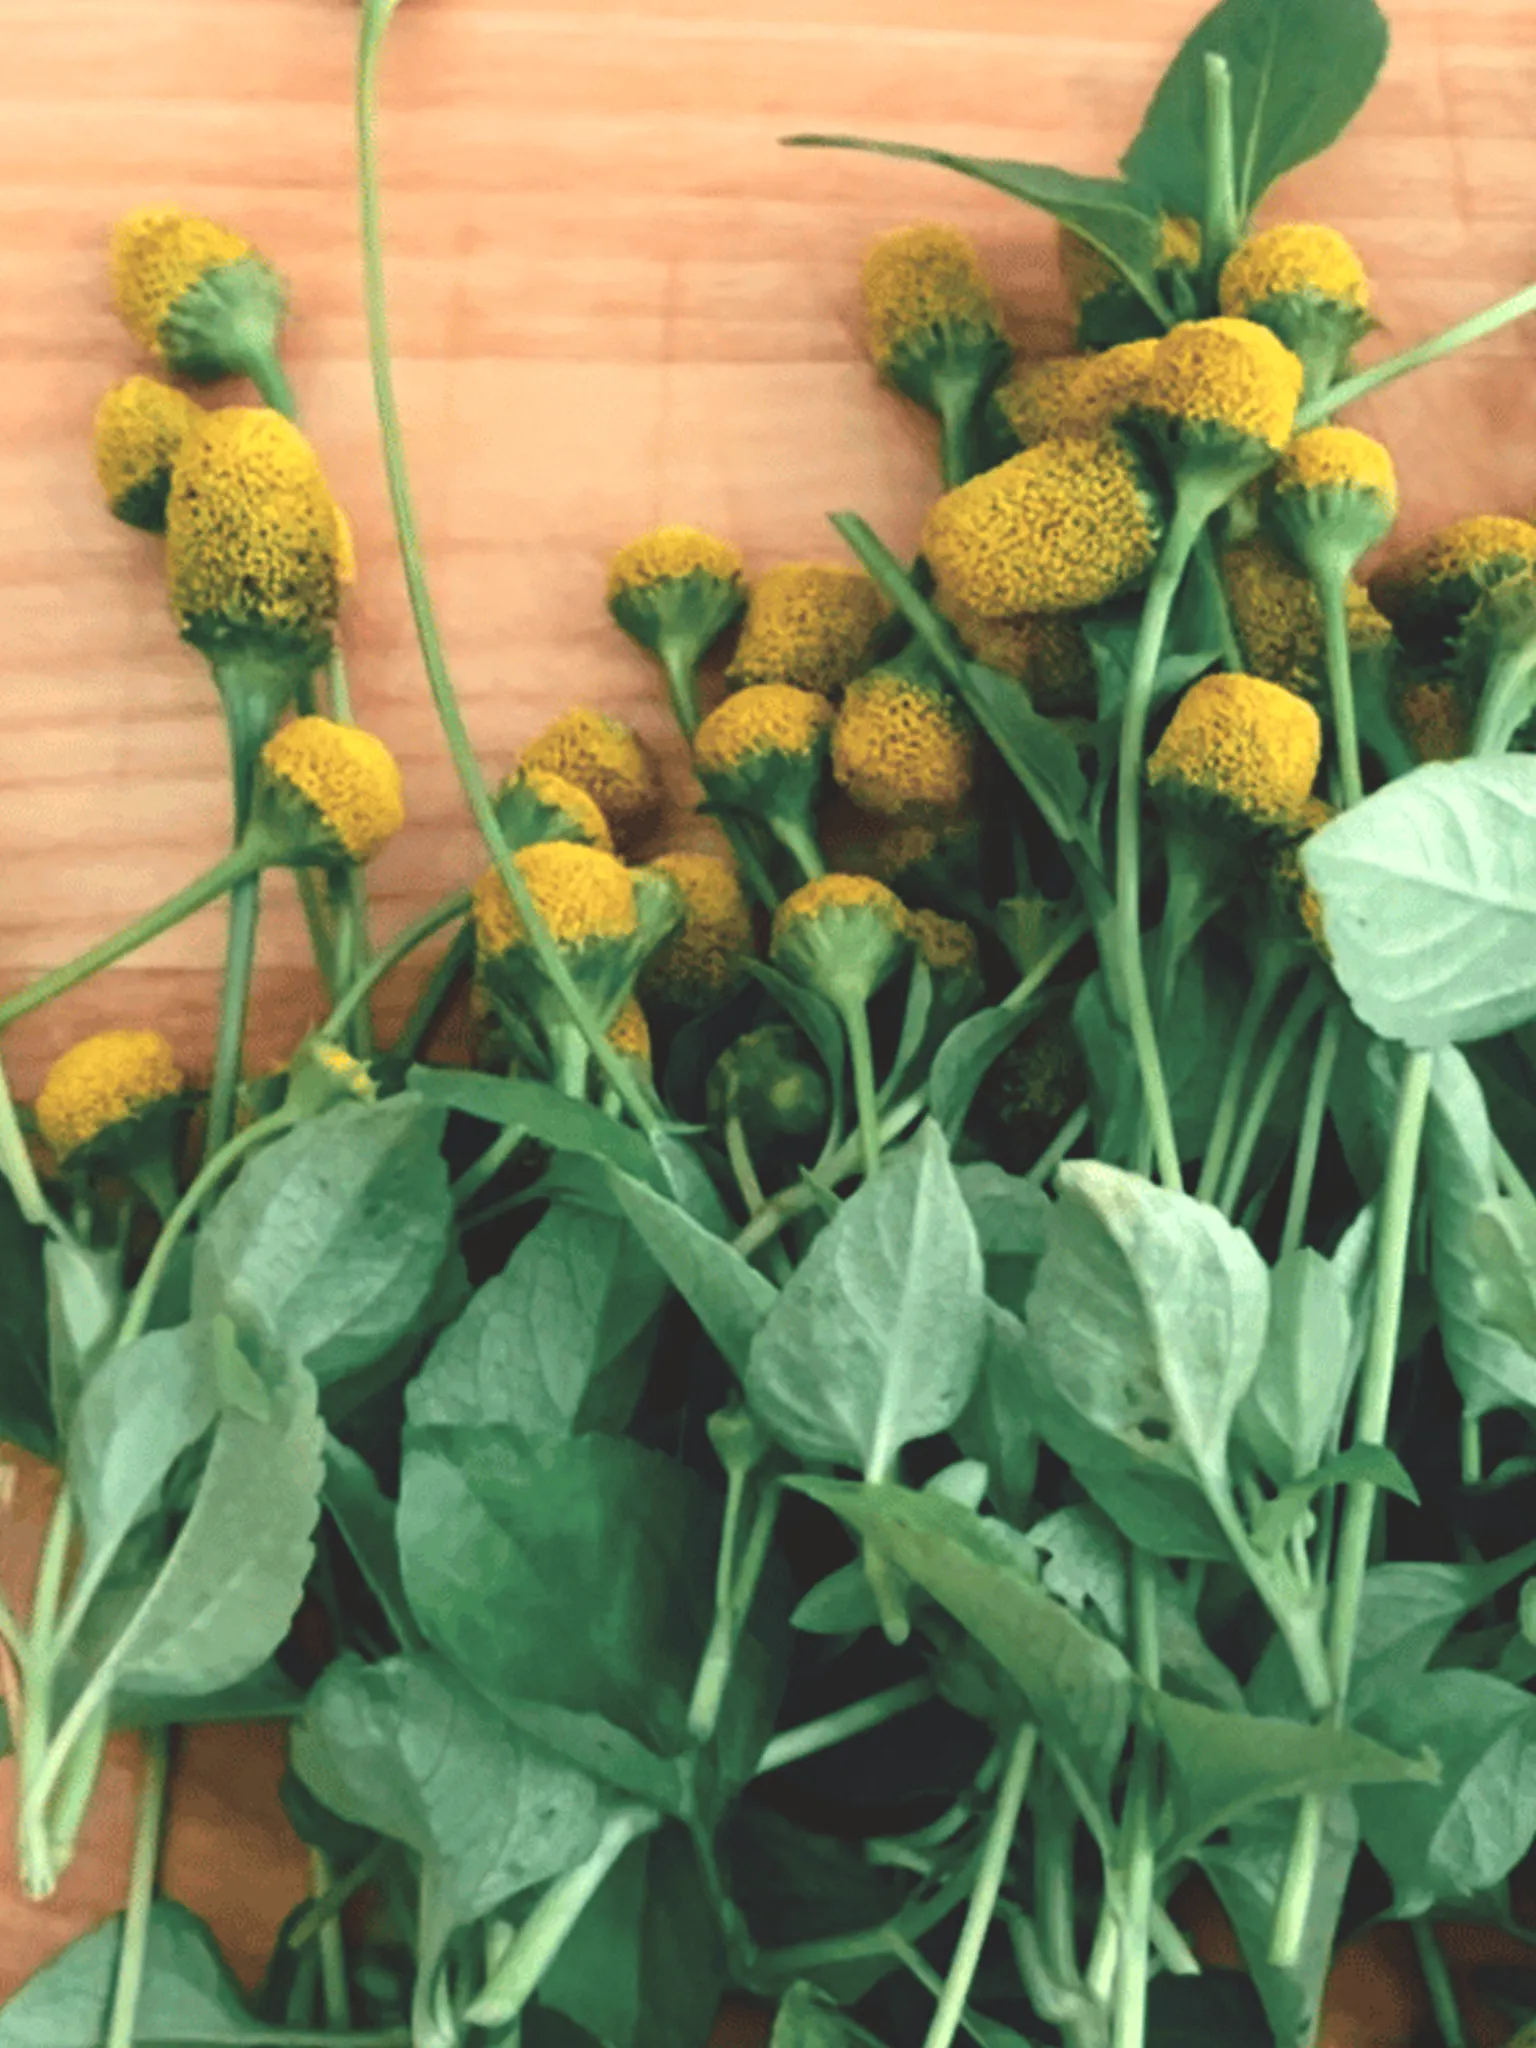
(1245, 745)
(582, 894)
(770, 718)
(158, 254)
(605, 758)
(1037, 400)
(1232, 375)
(706, 957)
(1434, 718)
(808, 624)
(889, 849)
(345, 780)
(103, 1082)
(1279, 620)
(947, 945)
(1337, 459)
(830, 916)
(630, 1034)
(1483, 548)
(919, 278)
(139, 431)
(1291, 261)
(535, 803)
(1047, 654)
(254, 539)
(901, 746)
(1058, 528)
(668, 554)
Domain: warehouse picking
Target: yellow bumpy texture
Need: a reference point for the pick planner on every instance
(1337, 458)
(1226, 373)
(898, 747)
(605, 758)
(668, 553)
(101, 1082)
(140, 428)
(582, 894)
(1294, 258)
(704, 957)
(157, 254)
(808, 624)
(920, 277)
(1251, 744)
(347, 776)
(771, 718)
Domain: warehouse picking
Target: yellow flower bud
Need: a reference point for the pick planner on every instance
(1280, 622)
(139, 431)
(102, 1083)
(842, 935)
(920, 282)
(1338, 458)
(582, 894)
(1059, 528)
(944, 943)
(1308, 285)
(1036, 399)
(1242, 746)
(901, 745)
(808, 625)
(668, 554)
(534, 804)
(195, 294)
(769, 719)
(891, 849)
(610, 762)
(706, 958)
(1225, 381)
(340, 784)
(675, 590)
(1334, 497)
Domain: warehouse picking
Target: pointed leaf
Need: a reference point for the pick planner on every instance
(731, 1299)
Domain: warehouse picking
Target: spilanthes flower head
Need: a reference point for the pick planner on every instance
(944, 944)
(609, 761)
(902, 744)
(1059, 528)
(1107, 308)
(533, 804)
(1279, 620)
(706, 958)
(926, 856)
(929, 313)
(1433, 717)
(140, 427)
(809, 625)
(196, 295)
(630, 1035)
(322, 1073)
(101, 1086)
(841, 935)
(1035, 401)
(1309, 287)
(771, 1080)
(583, 894)
(254, 540)
(1047, 654)
(763, 753)
(1239, 748)
(675, 590)
(1334, 496)
(327, 792)
(1220, 400)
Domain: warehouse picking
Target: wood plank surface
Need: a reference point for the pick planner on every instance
(616, 300)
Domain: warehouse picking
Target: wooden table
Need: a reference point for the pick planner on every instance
(616, 301)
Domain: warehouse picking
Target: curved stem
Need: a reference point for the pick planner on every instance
(389, 957)
(1271, 1074)
(682, 688)
(234, 1007)
(266, 372)
(132, 1954)
(989, 1881)
(1261, 992)
(1330, 582)
(16, 1165)
(375, 20)
(812, 1737)
(1439, 1984)
(1309, 1137)
(1489, 321)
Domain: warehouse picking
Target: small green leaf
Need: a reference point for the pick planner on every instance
(1301, 71)
(1371, 1462)
(543, 1112)
(26, 1412)
(85, 1304)
(965, 1059)
(141, 1409)
(357, 1505)
(1043, 758)
(1428, 891)
(1112, 643)
(877, 1338)
(1502, 1238)
(731, 1299)
(1293, 1410)
(997, 1425)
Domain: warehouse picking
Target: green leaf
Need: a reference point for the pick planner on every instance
(85, 1304)
(330, 1242)
(26, 1412)
(1078, 1685)
(409, 1749)
(1292, 1412)
(544, 1113)
(1112, 643)
(965, 1059)
(1383, 1468)
(1492, 1369)
(1502, 1238)
(188, 1998)
(267, 1695)
(1408, 1610)
(1044, 760)
(141, 1409)
(997, 1424)
(644, 1966)
(1222, 1764)
(1149, 1313)
(1011, 1217)
(1111, 214)
(877, 1338)
(731, 1299)
(575, 1574)
(1462, 1835)
(366, 1519)
(1301, 71)
(1197, 1032)
(1428, 891)
(538, 1336)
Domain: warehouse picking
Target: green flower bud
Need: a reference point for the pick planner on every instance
(843, 936)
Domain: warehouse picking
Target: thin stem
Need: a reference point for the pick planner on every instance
(1438, 1983)
(739, 1154)
(307, 1927)
(488, 1165)
(1310, 1136)
(1294, 1025)
(1221, 222)
(1261, 992)
(954, 400)
(1330, 582)
(989, 1880)
(132, 1954)
(1185, 530)
(803, 1195)
(224, 874)
(341, 689)
(811, 1737)
(801, 847)
(911, 1959)
(1471, 1450)
(1069, 936)
(389, 957)
(271, 380)
(458, 955)
(730, 1616)
(1058, 1148)
(234, 1007)
(1489, 321)
(1128, 2027)
(1293, 1907)
(866, 1094)
(617, 1070)
(333, 1948)
(682, 687)
(16, 1165)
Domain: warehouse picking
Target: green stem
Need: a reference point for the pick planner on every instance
(1471, 1450)
(1296, 1022)
(739, 1154)
(1489, 321)
(1438, 1983)
(16, 1165)
(389, 957)
(1330, 581)
(1261, 992)
(271, 380)
(866, 1094)
(77, 1785)
(458, 955)
(309, 1924)
(34, 1849)
(1310, 1136)
(375, 20)
(989, 1881)
(731, 1612)
(1041, 972)
(811, 1737)
(1058, 1148)
(488, 1165)
(955, 403)
(806, 1194)
(341, 689)
(1221, 225)
(1188, 524)
(132, 1954)
(801, 847)
(235, 866)
(314, 902)
(234, 1008)
(1128, 2027)
(682, 687)
(1288, 1930)
(1505, 704)
(333, 1948)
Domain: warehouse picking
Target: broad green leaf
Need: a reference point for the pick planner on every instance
(1113, 215)
(544, 1113)
(1011, 1215)
(574, 1574)
(731, 1299)
(1462, 1835)
(965, 1059)
(1292, 1412)
(26, 1412)
(188, 1999)
(843, 1603)
(143, 1406)
(1502, 1238)
(1149, 1313)
(1301, 71)
(644, 1965)
(807, 2018)
(1079, 1686)
(267, 1695)
(608, 1753)
(877, 1338)
(1428, 891)
(538, 1335)
(330, 1242)
(412, 1751)
(1222, 1764)
(1492, 1369)
(356, 1504)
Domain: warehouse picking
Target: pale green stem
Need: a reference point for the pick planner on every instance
(271, 380)
(1070, 935)
(990, 1873)
(35, 1858)
(1330, 583)
(1471, 1450)
(390, 956)
(1261, 993)
(801, 847)
(1128, 2025)
(1221, 227)
(955, 403)
(793, 1201)
(132, 1954)
(489, 1164)
(730, 1614)
(333, 1948)
(1295, 1024)
(1058, 1148)
(811, 1737)
(1439, 1984)
(683, 688)
(866, 1094)
(16, 1165)
(1310, 1136)
(234, 1007)
(1489, 321)
(739, 1154)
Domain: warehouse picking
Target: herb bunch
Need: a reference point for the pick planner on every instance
(895, 1414)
